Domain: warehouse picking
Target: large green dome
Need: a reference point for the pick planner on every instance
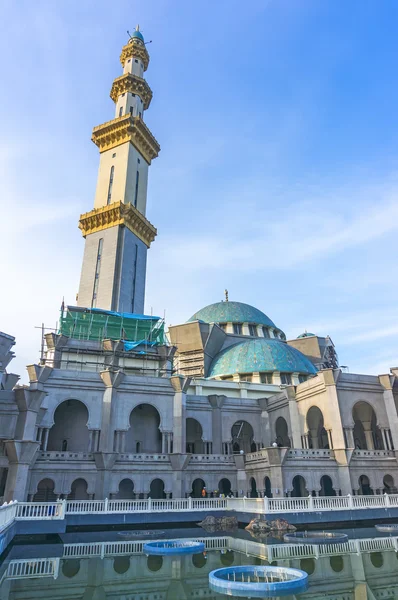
(260, 355)
(232, 312)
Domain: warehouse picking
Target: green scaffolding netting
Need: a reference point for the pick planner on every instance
(97, 325)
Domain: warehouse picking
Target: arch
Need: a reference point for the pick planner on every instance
(389, 485)
(267, 487)
(281, 433)
(70, 432)
(227, 558)
(242, 436)
(144, 431)
(224, 486)
(154, 563)
(367, 435)
(318, 437)
(377, 560)
(253, 493)
(327, 486)
(45, 491)
(194, 435)
(198, 485)
(364, 486)
(307, 565)
(156, 490)
(70, 567)
(78, 490)
(126, 490)
(336, 563)
(199, 560)
(299, 487)
(121, 564)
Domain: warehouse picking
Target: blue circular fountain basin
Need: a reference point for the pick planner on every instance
(258, 581)
(174, 547)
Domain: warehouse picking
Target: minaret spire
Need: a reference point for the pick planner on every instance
(117, 232)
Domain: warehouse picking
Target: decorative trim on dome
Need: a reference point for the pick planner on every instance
(260, 355)
(232, 312)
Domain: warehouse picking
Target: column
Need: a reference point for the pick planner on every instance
(349, 431)
(164, 434)
(330, 439)
(123, 441)
(45, 439)
(368, 435)
(314, 438)
(386, 441)
(180, 385)
(90, 440)
(216, 402)
(169, 439)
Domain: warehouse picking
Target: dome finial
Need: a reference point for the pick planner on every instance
(137, 28)
(226, 295)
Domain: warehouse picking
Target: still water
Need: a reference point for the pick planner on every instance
(112, 565)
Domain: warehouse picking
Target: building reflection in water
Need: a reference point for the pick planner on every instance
(362, 569)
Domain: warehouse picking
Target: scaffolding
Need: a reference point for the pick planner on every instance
(96, 325)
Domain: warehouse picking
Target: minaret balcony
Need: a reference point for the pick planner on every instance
(126, 129)
(117, 214)
(133, 84)
(135, 50)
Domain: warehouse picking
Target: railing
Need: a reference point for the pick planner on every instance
(373, 453)
(57, 456)
(144, 506)
(143, 457)
(103, 549)
(29, 511)
(32, 567)
(310, 453)
(7, 514)
(219, 458)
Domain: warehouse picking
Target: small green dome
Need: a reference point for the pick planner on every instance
(306, 334)
(260, 355)
(232, 312)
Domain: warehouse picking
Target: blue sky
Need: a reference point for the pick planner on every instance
(278, 175)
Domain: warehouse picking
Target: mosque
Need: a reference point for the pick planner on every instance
(222, 404)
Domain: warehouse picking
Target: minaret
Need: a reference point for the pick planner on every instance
(116, 231)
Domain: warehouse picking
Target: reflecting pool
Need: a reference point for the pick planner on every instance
(106, 565)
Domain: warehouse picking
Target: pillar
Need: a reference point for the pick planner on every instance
(216, 402)
(368, 435)
(314, 438)
(180, 385)
(387, 382)
(349, 431)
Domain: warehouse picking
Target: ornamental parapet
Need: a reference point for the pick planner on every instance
(133, 84)
(126, 129)
(118, 213)
(136, 50)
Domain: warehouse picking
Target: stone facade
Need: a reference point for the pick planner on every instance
(99, 422)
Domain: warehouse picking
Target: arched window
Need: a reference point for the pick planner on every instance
(388, 485)
(327, 486)
(156, 490)
(198, 485)
(78, 490)
(194, 434)
(364, 486)
(281, 431)
(45, 491)
(299, 487)
(367, 435)
(318, 437)
(224, 486)
(144, 430)
(267, 487)
(242, 436)
(126, 490)
(69, 431)
(253, 488)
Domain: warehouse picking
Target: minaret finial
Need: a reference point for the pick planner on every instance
(137, 28)
(226, 295)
